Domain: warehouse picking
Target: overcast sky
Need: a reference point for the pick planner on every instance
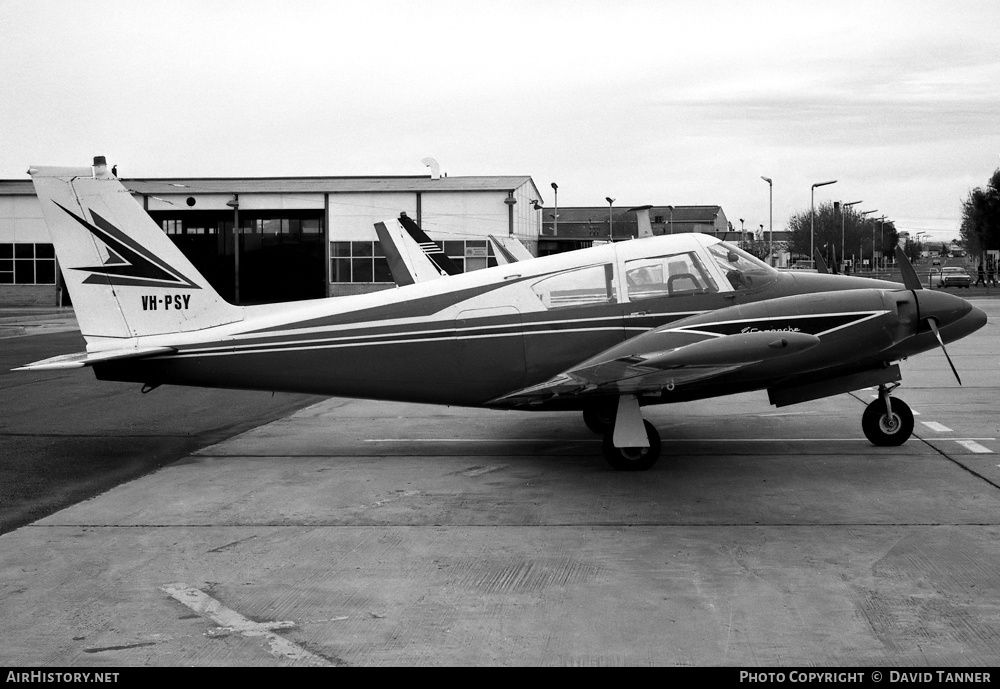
(683, 103)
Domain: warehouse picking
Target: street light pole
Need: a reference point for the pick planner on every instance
(555, 217)
(881, 239)
(812, 216)
(873, 237)
(611, 220)
(843, 224)
(770, 213)
(742, 235)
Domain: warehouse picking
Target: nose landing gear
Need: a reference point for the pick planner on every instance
(887, 422)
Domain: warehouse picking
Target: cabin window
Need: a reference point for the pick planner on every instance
(742, 270)
(667, 276)
(581, 287)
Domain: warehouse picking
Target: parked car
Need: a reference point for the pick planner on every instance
(936, 262)
(951, 276)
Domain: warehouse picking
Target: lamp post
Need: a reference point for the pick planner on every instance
(881, 239)
(843, 224)
(873, 236)
(812, 215)
(555, 216)
(742, 235)
(611, 221)
(770, 215)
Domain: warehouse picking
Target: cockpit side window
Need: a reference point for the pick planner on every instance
(579, 287)
(667, 276)
(742, 270)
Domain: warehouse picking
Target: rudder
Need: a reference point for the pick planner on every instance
(126, 277)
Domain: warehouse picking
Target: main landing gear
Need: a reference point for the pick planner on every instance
(887, 422)
(630, 442)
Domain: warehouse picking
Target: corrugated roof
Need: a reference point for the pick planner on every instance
(291, 185)
(680, 214)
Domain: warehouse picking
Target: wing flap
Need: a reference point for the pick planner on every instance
(81, 359)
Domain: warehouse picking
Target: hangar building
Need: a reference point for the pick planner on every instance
(301, 237)
(579, 227)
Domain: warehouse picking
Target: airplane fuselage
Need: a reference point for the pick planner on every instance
(470, 339)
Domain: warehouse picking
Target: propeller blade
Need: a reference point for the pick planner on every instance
(820, 263)
(933, 323)
(910, 279)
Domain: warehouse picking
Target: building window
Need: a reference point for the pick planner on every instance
(173, 226)
(358, 262)
(469, 255)
(366, 262)
(27, 264)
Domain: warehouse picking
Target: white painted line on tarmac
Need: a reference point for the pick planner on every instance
(206, 606)
(973, 446)
(482, 440)
(935, 426)
(598, 440)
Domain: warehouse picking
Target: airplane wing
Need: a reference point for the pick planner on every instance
(663, 358)
(407, 260)
(82, 359)
(509, 250)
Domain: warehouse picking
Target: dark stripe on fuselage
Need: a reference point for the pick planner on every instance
(538, 323)
(420, 307)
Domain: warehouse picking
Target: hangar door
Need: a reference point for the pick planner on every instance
(279, 257)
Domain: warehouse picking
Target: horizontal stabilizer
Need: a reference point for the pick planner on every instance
(81, 359)
(742, 348)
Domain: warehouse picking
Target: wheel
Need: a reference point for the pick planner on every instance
(633, 458)
(882, 430)
(600, 418)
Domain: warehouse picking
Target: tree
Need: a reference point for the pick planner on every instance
(860, 233)
(980, 228)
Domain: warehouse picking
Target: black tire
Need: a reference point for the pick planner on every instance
(600, 418)
(633, 458)
(883, 431)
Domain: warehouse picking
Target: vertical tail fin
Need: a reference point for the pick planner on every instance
(126, 277)
(407, 260)
(433, 251)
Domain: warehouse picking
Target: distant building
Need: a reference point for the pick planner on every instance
(301, 237)
(579, 227)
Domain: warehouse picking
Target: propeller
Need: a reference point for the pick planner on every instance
(933, 323)
(910, 278)
(820, 263)
(912, 282)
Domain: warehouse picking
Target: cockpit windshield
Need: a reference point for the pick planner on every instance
(741, 269)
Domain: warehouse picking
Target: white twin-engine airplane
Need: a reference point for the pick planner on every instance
(604, 331)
